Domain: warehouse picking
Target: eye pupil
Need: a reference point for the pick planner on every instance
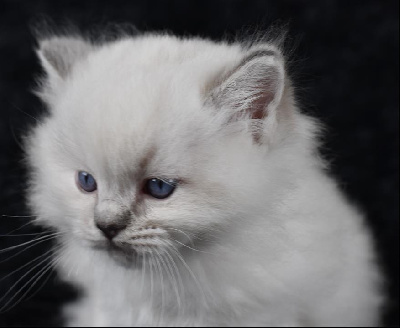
(159, 188)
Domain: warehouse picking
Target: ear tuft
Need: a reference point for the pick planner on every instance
(59, 54)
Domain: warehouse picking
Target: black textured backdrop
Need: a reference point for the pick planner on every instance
(346, 64)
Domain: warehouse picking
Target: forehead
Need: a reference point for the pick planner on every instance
(147, 72)
(134, 103)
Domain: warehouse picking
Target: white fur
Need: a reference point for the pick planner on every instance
(280, 245)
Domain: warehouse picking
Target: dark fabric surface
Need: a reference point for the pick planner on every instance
(346, 68)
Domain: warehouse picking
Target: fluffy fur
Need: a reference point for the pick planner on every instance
(255, 234)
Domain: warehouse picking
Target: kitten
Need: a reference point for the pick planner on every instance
(188, 191)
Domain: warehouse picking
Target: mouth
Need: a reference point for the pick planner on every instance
(130, 251)
(124, 255)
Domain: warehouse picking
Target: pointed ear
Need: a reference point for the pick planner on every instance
(58, 55)
(254, 88)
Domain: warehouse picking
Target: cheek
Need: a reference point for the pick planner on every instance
(59, 203)
(84, 215)
(192, 211)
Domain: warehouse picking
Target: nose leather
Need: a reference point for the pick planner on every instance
(110, 230)
(111, 217)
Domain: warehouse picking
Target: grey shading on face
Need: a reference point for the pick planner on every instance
(151, 185)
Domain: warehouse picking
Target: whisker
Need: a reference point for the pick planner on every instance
(181, 310)
(184, 233)
(143, 271)
(23, 235)
(159, 269)
(17, 216)
(178, 275)
(30, 242)
(25, 265)
(171, 276)
(49, 276)
(179, 256)
(176, 269)
(193, 249)
(29, 247)
(29, 115)
(151, 278)
(19, 280)
(71, 269)
(20, 228)
(17, 141)
(40, 288)
(36, 277)
(68, 256)
(3, 309)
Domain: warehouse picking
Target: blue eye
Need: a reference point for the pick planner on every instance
(86, 181)
(159, 188)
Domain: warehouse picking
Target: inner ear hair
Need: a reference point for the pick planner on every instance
(254, 87)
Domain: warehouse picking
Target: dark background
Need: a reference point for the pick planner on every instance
(346, 68)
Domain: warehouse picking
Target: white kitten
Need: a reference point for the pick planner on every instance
(188, 190)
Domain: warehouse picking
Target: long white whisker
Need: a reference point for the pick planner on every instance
(193, 249)
(72, 268)
(170, 272)
(17, 216)
(20, 228)
(36, 277)
(29, 115)
(4, 307)
(25, 265)
(179, 256)
(143, 271)
(49, 276)
(179, 278)
(151, 278)
(23, 235)
(184, 233)
(27, 273)
(159, 269)
(30, 242)
(26, 248)
(39, 289)
(176, 269)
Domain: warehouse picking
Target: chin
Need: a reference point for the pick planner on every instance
(131, 250)
(123, 255)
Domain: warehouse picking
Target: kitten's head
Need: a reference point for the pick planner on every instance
(152, 141)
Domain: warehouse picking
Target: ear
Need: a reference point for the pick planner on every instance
(253, 89)
(58, 55)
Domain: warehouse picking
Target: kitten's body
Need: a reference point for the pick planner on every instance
(264, 236)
